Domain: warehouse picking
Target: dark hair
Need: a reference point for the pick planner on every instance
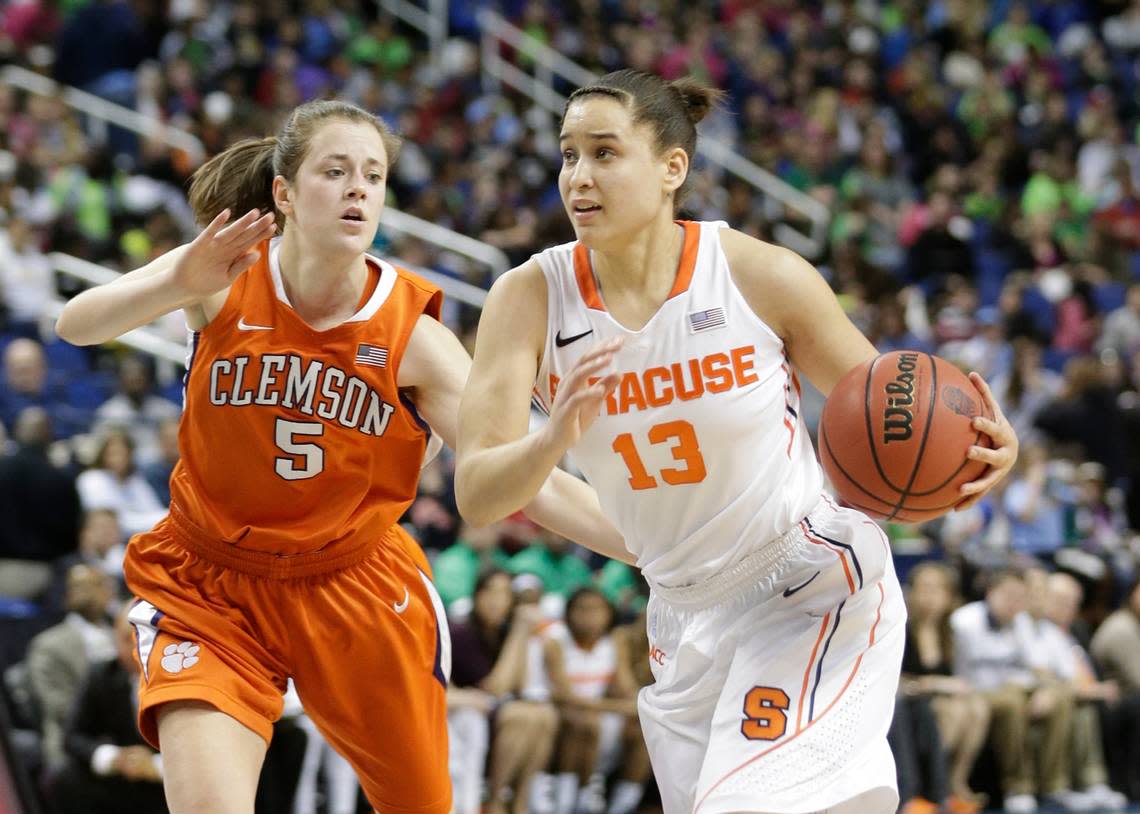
(671, 109)
(994, 578)
(241, 177)
(950, 576)
(492, 639)
(485, 576)
(115, 433)
(587, 591)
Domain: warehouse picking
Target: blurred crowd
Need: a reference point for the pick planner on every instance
(981, 164)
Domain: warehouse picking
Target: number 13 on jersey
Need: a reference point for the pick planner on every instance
(685, 450)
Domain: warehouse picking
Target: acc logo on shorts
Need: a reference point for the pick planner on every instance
(179, 657)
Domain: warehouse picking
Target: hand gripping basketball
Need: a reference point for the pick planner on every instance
(1000, 456)
(907, 436)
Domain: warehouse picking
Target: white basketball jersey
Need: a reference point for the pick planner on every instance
(700, 456)
(590, 672)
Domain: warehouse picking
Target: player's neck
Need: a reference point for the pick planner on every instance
(643, 267)
(323, 290)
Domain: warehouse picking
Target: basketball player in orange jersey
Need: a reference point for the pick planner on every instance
(315, 374)
(666, 355)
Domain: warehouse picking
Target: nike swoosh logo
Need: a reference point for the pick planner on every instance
(560, 342)
(801, 586)
(400, 607)
(245, 326)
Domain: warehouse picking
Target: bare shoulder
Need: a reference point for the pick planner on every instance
(433, 352)
(776, 282)
(516, 306)
(524, 286)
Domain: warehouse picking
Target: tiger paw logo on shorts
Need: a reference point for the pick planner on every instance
(179, 657)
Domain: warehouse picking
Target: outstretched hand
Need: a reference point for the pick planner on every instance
(1000, 458)
(222, 252)
(581, 394)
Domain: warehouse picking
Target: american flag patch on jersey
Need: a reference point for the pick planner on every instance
(373, 355)
(706, 320)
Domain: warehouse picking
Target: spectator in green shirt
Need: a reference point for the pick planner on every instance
(622, 585)
(458, 566)
(553, 560)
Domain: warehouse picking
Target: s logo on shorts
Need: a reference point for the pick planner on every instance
(179, 657)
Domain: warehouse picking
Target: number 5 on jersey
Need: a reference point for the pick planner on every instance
(306, 460)
(686, 450)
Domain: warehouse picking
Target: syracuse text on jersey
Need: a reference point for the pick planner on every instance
(663, 384)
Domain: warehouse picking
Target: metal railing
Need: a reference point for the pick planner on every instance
(148, 340)
(102, 112)
(550, 65)
(432, 21)
(145, 339)
(445, 238)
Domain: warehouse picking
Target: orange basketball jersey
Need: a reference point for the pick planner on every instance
(295, 440)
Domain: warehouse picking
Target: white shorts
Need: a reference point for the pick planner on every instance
(776, 680)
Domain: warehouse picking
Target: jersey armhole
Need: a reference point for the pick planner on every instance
(422, 298)
(551, 293)
(737, 293)
(234, 291)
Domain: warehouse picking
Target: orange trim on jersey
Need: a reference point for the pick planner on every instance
(817, 719)
(585, 276)
(807, 673)
(589, 678)
(688, 262)
(838, 552)
(588, 288)
(544, 626)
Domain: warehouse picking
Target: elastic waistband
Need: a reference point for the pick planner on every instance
(266, 564)
(761, 562)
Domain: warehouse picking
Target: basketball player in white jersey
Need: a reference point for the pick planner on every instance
(666, 354)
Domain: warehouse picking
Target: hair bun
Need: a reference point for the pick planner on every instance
(699, 99)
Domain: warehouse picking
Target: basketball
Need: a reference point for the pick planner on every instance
(894, 435)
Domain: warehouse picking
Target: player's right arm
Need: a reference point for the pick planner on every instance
(193, 277)
(500, 466)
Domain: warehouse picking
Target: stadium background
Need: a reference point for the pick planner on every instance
(965, 174)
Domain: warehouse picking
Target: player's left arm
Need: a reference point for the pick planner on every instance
(434, 370)
(796, 302)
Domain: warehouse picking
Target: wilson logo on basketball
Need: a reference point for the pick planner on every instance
(898, 417)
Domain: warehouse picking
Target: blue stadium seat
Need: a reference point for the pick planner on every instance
(90, 390)
(992, 267)
(1041, 310)
(172, 391)
(980, 236)
(63, 357)
(1053, 359)
(1108, 296)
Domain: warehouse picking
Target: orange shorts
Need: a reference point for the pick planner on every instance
(362, 634)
